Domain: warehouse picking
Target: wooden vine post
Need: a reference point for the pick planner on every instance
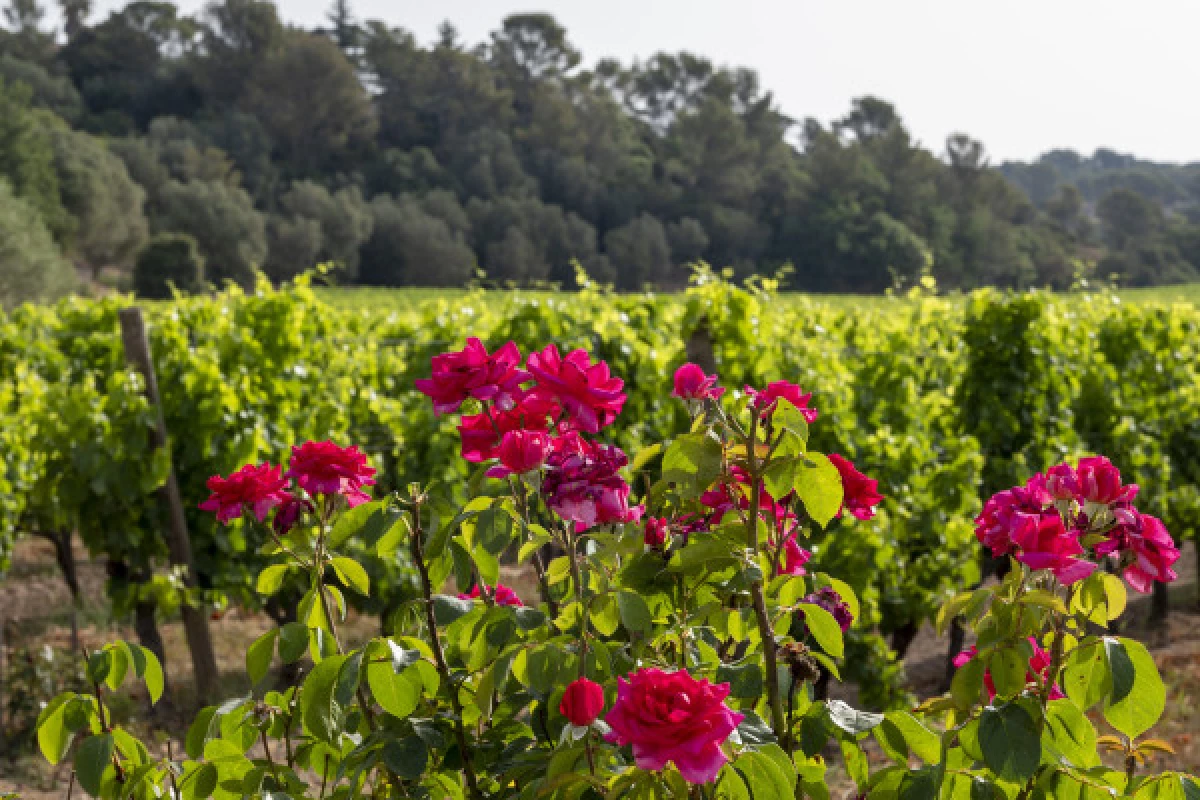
(179, 547)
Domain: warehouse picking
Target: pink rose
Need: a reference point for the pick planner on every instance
(471, 372)
(481, 434)
(672, 717)
(1011, 515)
(765, 401)
(503, 595)
(1051, 546)
(588, 393)
(521, 451)
(1100, 482)
(1062, 482)
(325, 468)
(583, 483)
(1145, 546)
(860, 495)
(692, 384)
(794, 557)
(257, 487)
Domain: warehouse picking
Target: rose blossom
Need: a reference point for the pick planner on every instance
(828, 598)
(1146, 546)
(1039, 665)
(656, 533)
(1012, 514)
(672, 717)
(590, 395)
(765, 401)
(794, 557)
(1100, 483)
(692, 384)
(1049, 545)
(521, 451)
(481, 434)
(503, 595)
(859, 493)
(1062, 482)
(289, 513)
(582, 702)
(258, 487)
(471, 372)
(583, 483)
(325, 468)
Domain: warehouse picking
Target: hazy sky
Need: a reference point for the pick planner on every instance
(1022, 76)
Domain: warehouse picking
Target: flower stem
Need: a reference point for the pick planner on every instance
(435, 643)
(577, 580)
(765, 630)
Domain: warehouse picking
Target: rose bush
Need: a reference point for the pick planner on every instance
(687, 609)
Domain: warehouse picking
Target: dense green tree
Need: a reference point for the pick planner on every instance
(311, 104)
(105, 203)
(53, 92)
(169, 261)
(222, 219)
(640, 252)
(27, 157)
(410, 247)
(318, 226)
(31, 267)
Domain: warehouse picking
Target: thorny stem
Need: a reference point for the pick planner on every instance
(522, 503)
(577, 579)
(765, 629)
(435, 642)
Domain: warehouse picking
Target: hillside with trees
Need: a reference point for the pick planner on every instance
(202, 148)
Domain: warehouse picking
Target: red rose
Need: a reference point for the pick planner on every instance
(258, 487)
(765, 401)
(656, 533)
(521, 451)
(859, 492)
(1146, 548)
(582, 702)
(671, 716)
(1100, 482)
(471, 372)
(325, 468)
(502, 595)
(692, 384)
(587, 391)
(481, 434)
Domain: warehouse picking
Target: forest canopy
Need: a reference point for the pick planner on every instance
(274, 148)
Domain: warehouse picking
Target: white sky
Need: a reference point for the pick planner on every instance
(1024, 76)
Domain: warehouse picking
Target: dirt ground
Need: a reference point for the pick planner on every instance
(35, 608)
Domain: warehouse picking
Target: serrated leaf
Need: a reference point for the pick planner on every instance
(293, 641)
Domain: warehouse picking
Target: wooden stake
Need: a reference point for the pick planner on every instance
(179, 547)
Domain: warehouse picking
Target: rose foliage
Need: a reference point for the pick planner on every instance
(671, 634)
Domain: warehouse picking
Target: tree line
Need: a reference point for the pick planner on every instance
(153, 147)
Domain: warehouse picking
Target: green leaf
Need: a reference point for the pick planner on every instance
(1086, 676)
(745, 680)
(293, 641)
(397, 693)
(824, 628)
(819, 486)
(352, 574)
(1069, 735)
(918, 739)
(119, 665)
(967, 684)
(198, 732)
(93, 757)
(1009, 739)
(1138, 697)
(319, 710)
(851, 720)
(53, 735)
(635, 614)
(767, 775)
(447, 609)
(693, 462)
(270, 580)
(150, 671)
(259, 656)
(604, 614)
(367, 523)
(406, 757)
(1009, 667)
(644, 456)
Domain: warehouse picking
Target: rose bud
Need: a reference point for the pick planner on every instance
(656, 533)
(582, 702)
